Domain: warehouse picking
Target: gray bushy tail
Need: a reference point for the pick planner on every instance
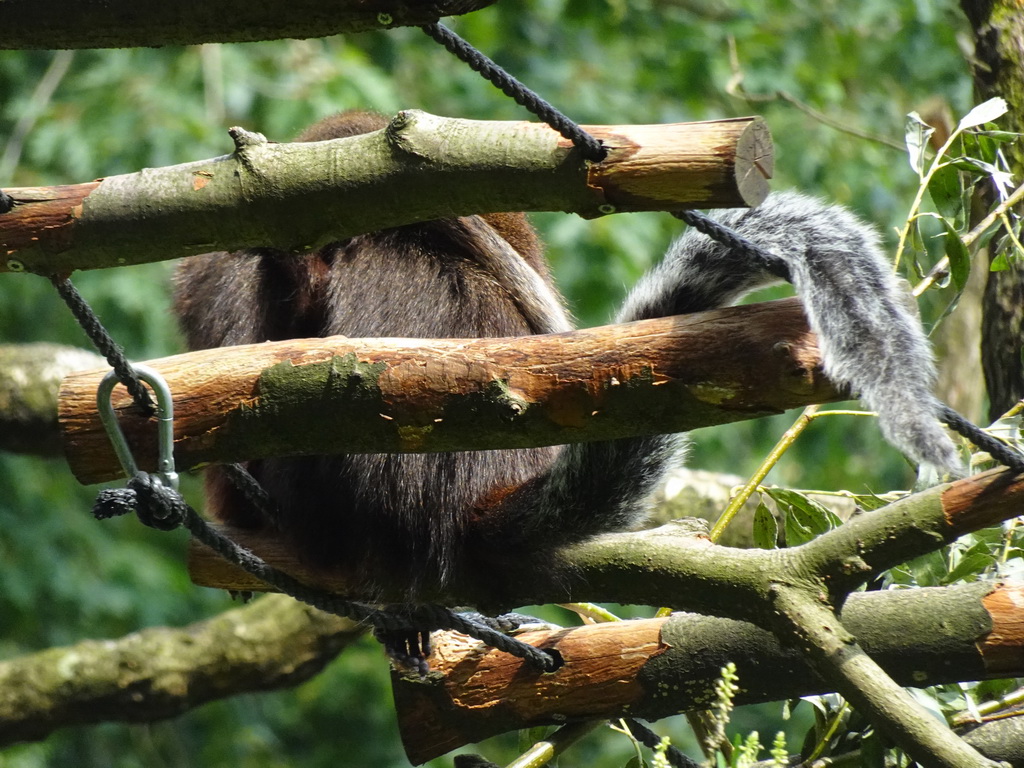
(870, 339)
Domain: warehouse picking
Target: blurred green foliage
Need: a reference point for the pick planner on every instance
(66, 577)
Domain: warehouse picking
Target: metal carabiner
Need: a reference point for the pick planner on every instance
(165, 424)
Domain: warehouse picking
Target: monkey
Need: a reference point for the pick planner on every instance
(423, 520)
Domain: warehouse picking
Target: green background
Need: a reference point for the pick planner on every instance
(66, 577)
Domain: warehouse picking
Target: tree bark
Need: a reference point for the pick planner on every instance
(322, 396)
(301, 196)
(127, 24)
(158, 673)
(30, 376)
(654, 668)
(998, 61)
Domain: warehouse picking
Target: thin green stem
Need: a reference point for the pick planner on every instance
(543, 752)
(833, 726)
(787, 439)
(809, 414)
(942, 266)
(922, 188)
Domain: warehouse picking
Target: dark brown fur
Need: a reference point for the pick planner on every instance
(378, 516)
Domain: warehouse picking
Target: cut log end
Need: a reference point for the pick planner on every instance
(755, 163)
(710, 164)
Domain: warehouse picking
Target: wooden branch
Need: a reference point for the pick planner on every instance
(999, 737)
(271, 644)
(662, 567)
(321, 396)
(125, 24)
(304, 195)
(810, 623)
(911, 527)
(671, 566)
(30, 376)
(659, 667)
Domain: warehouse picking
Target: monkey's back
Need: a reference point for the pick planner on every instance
(378, 516)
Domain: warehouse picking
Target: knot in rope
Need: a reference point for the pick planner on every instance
(443, 618)
(156, 504)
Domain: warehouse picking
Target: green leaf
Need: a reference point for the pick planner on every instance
(900, 576)
(970, 567)
(929, 570)
(946, 191)
(989, 538)
(959, 258)
(871, 501)
(796, 532)
(988, 149)
(987, 112)
(872, 751)
(916, 240)
(1001, 136)
(974, 165)
(804, 518)
(916, 135)
(1007, 427)
(766, 528)
(1000, 263)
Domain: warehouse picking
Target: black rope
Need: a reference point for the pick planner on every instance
(651, 740)
(103, 341)
(734, 241)
(996, 448)
(162, 507)
(6, 202)
(591, 148)
(253, 491)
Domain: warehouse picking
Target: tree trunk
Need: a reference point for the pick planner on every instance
(998, 64)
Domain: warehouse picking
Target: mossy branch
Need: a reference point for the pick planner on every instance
(323, 396)
(67, 24)
(158, 673)
(301, 196)
(30, 376)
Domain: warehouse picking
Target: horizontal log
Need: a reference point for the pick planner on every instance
(303, 195)
(127, 24)
(30, 376)
(339, 395)
(659, 667)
